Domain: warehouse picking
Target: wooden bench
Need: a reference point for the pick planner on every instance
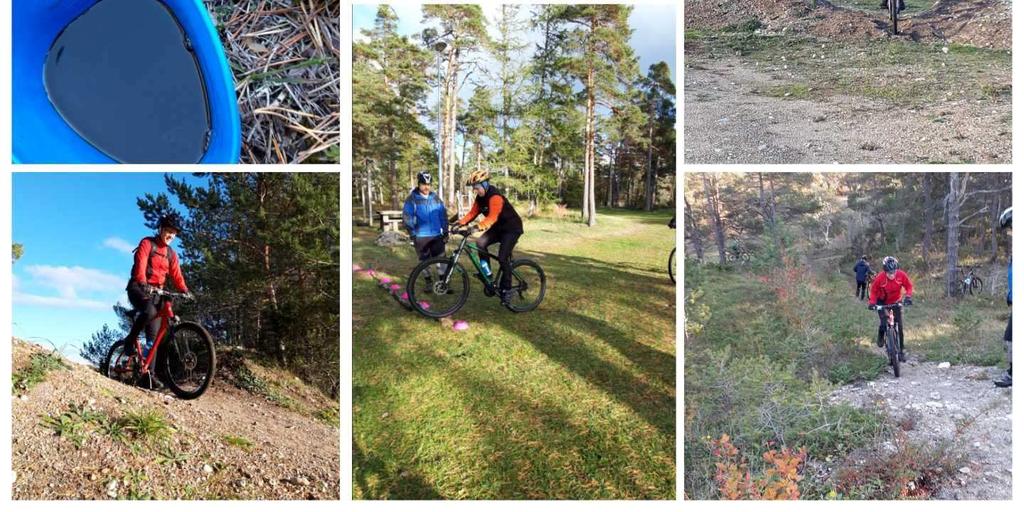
(390, 220)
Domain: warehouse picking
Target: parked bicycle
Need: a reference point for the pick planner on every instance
(182, 356)
(672, 256)
(892, 340)
(969, 282)
(439, 287)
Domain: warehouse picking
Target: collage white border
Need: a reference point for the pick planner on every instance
(346, 312)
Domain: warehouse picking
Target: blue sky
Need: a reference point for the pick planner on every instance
(78, 230)
(653, 39)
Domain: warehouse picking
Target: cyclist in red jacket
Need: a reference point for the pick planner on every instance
(155, 261)
(888, 288)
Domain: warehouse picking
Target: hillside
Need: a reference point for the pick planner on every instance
(981, 23)
(258, 433)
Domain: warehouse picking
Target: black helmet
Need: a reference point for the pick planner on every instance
(1004, 218)
(171, 220)
(423, 178)
(890, 264)
(864, 257)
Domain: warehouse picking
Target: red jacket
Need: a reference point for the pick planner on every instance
(889, 290)
(163, 262)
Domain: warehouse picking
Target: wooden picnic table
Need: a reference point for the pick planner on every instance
(390, 220)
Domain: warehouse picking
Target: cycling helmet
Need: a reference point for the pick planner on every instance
(1004, 218)
(890, 264)
(171, 220)
(477, 177)
(423, 178)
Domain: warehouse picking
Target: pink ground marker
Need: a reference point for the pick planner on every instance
(460, 325)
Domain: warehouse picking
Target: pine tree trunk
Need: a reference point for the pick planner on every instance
(952, 234)
(694, 233)
(929, 212)
(711, 191)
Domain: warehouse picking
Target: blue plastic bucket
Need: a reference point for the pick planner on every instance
(41, 135)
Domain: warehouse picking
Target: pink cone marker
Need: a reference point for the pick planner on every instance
(424, 304)
(405, 295)
(460, 325)
(395, 288)
(356, 268)
(385, 280)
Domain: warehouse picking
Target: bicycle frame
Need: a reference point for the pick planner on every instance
(166, 314)
(474, 256)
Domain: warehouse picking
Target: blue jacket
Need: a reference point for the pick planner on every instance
(424, 216)
(862, 268)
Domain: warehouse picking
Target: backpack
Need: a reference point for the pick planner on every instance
(172, 258)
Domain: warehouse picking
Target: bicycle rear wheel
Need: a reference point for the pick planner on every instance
(186, 360)
(119, 367)
(892, 344)
(528, 286)
(976, 285)
(894, 15)
(430, 296)
(672, 265)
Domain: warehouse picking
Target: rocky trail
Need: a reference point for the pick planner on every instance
(258, 433)
(938, 403)
(740, 113)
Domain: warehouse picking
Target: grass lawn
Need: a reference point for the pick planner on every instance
(575, 400)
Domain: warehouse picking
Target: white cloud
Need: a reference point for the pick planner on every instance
(118, 244)
(28, 299)
(69, 281)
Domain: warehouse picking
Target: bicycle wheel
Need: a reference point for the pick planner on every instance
(528, 286)
(186, 360)
(672, 265)
(430, 296)
(892, 349)
(894, 15)
(117, 366)
(976, 285)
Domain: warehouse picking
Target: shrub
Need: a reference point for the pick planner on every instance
(778, 481)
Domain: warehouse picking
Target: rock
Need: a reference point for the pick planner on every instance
(943, 365)
(935, 395)
(937, 405)
(112, 488)
(965, 470)
(392, 239)
(208, 469)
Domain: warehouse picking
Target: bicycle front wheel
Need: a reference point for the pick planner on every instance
(186, 360)
(528, 286)
(433, 297)
(976, 285)
(672, 266)
(892, 347)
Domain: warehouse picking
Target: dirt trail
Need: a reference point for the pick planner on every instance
(943, 401)
(228, 444)
(735, 120)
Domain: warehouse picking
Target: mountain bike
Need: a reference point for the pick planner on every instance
(672, 265)
(969, 282)
(892, 340)
(182, 355)
(894, 16)
(672, 255)
(438, 287)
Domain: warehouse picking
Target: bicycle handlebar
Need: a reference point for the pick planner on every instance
(173, 295)
(875, 307)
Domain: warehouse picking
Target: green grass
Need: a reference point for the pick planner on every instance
(760, 356)
(238, 442)
(900, 72)
(575, 400)
(40, 365)
(80, 421)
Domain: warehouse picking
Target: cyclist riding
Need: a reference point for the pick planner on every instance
(885, 5)
(426, 219)
(155, 261)
(888, 288)
(1007, 380)
(501, 225)
(862, 269)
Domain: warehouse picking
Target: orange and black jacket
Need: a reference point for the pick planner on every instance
(499, 215)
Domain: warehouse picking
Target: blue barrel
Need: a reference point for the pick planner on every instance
(41, 134)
